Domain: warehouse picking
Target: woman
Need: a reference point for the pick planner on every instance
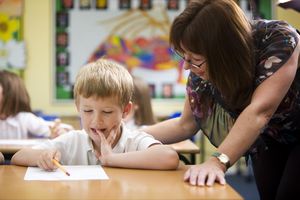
(242, 91)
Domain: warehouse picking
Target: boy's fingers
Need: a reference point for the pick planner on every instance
(112, 136)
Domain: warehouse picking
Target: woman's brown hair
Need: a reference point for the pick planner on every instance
(15, 97)
(219, 31)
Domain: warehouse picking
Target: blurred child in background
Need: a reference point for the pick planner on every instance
(141, 113)
(16, 118)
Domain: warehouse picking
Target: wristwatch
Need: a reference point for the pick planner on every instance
(223, 158)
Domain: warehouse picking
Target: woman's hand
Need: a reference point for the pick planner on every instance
(45, 159)
(206, 173)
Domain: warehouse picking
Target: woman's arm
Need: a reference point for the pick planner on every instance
(265, 101)
(160, 157)
(176, 129)
(247, 127)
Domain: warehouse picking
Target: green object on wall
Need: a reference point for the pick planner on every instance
(265, 8)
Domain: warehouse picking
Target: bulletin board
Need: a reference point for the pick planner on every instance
(131, 32)
(12, 46)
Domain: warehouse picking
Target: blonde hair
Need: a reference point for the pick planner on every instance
(104, 78)
(141, 97)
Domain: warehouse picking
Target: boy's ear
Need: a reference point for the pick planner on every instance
(127, 109)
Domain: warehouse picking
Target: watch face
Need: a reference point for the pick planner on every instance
(223, 158)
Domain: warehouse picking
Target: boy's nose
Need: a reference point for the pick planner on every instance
(97, 119)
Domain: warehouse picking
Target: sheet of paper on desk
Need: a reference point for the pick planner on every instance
(77, 172)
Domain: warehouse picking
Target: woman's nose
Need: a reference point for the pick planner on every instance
(186, 65)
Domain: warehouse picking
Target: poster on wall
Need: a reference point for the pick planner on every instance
(12, 47)
(131, 32)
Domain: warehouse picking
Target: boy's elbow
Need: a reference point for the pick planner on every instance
(14, 160)
(171, 159)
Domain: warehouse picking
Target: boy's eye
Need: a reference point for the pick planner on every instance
(87, 111)
(107, 112)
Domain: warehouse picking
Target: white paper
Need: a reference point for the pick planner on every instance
(77, 172)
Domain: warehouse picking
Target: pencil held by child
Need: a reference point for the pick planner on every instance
(60, 166)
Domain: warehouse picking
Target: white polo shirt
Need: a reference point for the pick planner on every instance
(76, 147)
(23, 125)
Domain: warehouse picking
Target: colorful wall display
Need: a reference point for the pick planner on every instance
(12, 47)
(132, 32)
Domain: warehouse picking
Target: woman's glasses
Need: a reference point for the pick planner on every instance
(188, 61)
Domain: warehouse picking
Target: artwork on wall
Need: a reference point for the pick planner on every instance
(12, 47)
(131, 32)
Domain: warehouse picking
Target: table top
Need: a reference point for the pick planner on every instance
(122, 184)
(186, 146)
(13, 145)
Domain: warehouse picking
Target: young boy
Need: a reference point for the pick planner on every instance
(102, 93)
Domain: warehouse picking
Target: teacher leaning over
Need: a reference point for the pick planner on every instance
(242, 92)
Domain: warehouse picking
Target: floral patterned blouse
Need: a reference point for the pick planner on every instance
(275, 42)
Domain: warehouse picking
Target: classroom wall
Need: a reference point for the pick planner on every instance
(38, 76)
(289, 15)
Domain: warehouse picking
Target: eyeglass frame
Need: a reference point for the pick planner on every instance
(188, 61)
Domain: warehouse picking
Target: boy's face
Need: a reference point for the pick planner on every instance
(102, 114)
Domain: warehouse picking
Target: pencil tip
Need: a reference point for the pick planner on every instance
(68, 173)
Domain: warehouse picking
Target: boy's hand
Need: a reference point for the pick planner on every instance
(45, 159)
(105, 146)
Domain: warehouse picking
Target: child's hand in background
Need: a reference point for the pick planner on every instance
(57, 128)
(45, 159)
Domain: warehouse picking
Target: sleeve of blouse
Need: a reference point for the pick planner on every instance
(275, 47)
(37, 126)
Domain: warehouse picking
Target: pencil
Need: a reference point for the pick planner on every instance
(60, 167)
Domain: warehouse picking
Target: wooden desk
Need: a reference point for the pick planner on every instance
(122, 184)
(187, 147)
(11, 146)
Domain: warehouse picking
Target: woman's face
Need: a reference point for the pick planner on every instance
(196, 63)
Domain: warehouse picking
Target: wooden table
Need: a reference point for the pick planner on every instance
(11, 146)
(122, 184)
(187, 147)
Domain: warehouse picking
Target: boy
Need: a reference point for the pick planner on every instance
(102, 93)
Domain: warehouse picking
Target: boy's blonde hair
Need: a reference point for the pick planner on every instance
(104, 78)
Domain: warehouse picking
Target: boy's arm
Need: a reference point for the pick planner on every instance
(27, 157)
(37, 157)
(157, 156)
(1, 158)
